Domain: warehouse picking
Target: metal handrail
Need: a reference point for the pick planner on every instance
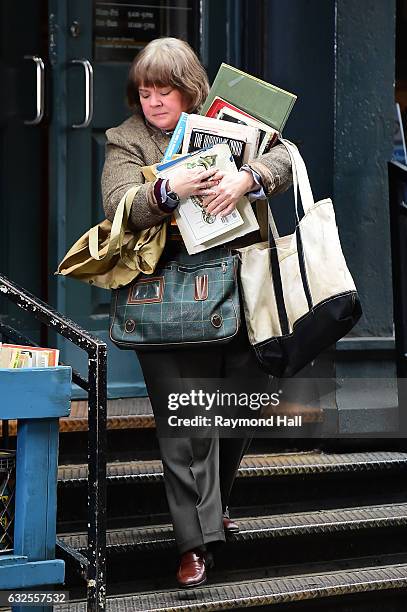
(96, 386)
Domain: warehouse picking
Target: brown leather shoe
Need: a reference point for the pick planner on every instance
(229, 525)
(192, 569)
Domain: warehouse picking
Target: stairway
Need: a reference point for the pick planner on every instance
(318, 530)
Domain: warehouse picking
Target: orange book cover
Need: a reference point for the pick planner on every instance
(53, 354)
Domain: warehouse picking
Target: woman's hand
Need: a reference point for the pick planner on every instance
(195, 181)
(231, 188)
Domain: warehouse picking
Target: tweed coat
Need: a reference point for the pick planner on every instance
(135, 144)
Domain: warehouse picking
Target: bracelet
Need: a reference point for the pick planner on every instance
(167, 205)
(157, 191)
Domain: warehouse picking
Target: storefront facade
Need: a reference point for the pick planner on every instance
(64, 80)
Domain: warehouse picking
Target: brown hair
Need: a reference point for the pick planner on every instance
(168, 61)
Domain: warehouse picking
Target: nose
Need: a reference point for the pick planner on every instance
(155, 100)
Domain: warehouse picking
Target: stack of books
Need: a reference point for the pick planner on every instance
(199, 229)
(241, 119)
(19, 356)
(253, 98)
(224, 111)
(205, 132)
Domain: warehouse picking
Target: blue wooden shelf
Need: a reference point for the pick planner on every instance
(35, 393)
(36, 397)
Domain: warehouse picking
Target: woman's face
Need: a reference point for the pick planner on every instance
(162, 106)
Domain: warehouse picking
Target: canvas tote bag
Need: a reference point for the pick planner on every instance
(298, 294)
(109, 256)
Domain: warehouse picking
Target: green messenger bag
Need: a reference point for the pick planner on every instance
(180, 304)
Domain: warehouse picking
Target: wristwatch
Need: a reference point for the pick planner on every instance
(171, 195)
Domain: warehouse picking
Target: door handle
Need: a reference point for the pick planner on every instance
(40, 79)
(87, 66)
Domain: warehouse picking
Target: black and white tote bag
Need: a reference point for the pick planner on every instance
(298, 294)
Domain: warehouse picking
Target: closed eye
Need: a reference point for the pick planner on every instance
(146, 94)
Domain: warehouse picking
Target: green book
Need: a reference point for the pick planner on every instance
(262, 100)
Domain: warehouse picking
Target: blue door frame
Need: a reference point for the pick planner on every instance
(50, 177)
(75, 165)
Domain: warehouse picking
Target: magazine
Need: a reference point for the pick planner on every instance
(268, 135)
(175, 143)
(218, 105)
(199, 229)
(18, 356)
(203, 132)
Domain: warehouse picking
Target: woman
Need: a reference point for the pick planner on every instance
(166, 79)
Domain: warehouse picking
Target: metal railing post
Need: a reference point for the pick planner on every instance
(97, 479)
(96, 386)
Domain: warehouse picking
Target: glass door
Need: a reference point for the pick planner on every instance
(92, 44)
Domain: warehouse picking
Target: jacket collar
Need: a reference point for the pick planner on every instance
(159, 137)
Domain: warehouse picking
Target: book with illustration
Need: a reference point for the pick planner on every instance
(199, 229)
(203, 132)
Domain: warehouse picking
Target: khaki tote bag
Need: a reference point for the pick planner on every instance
(109, 256)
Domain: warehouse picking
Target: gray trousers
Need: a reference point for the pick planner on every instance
(199, 472)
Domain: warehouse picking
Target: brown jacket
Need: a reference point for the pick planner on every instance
(134, 144)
